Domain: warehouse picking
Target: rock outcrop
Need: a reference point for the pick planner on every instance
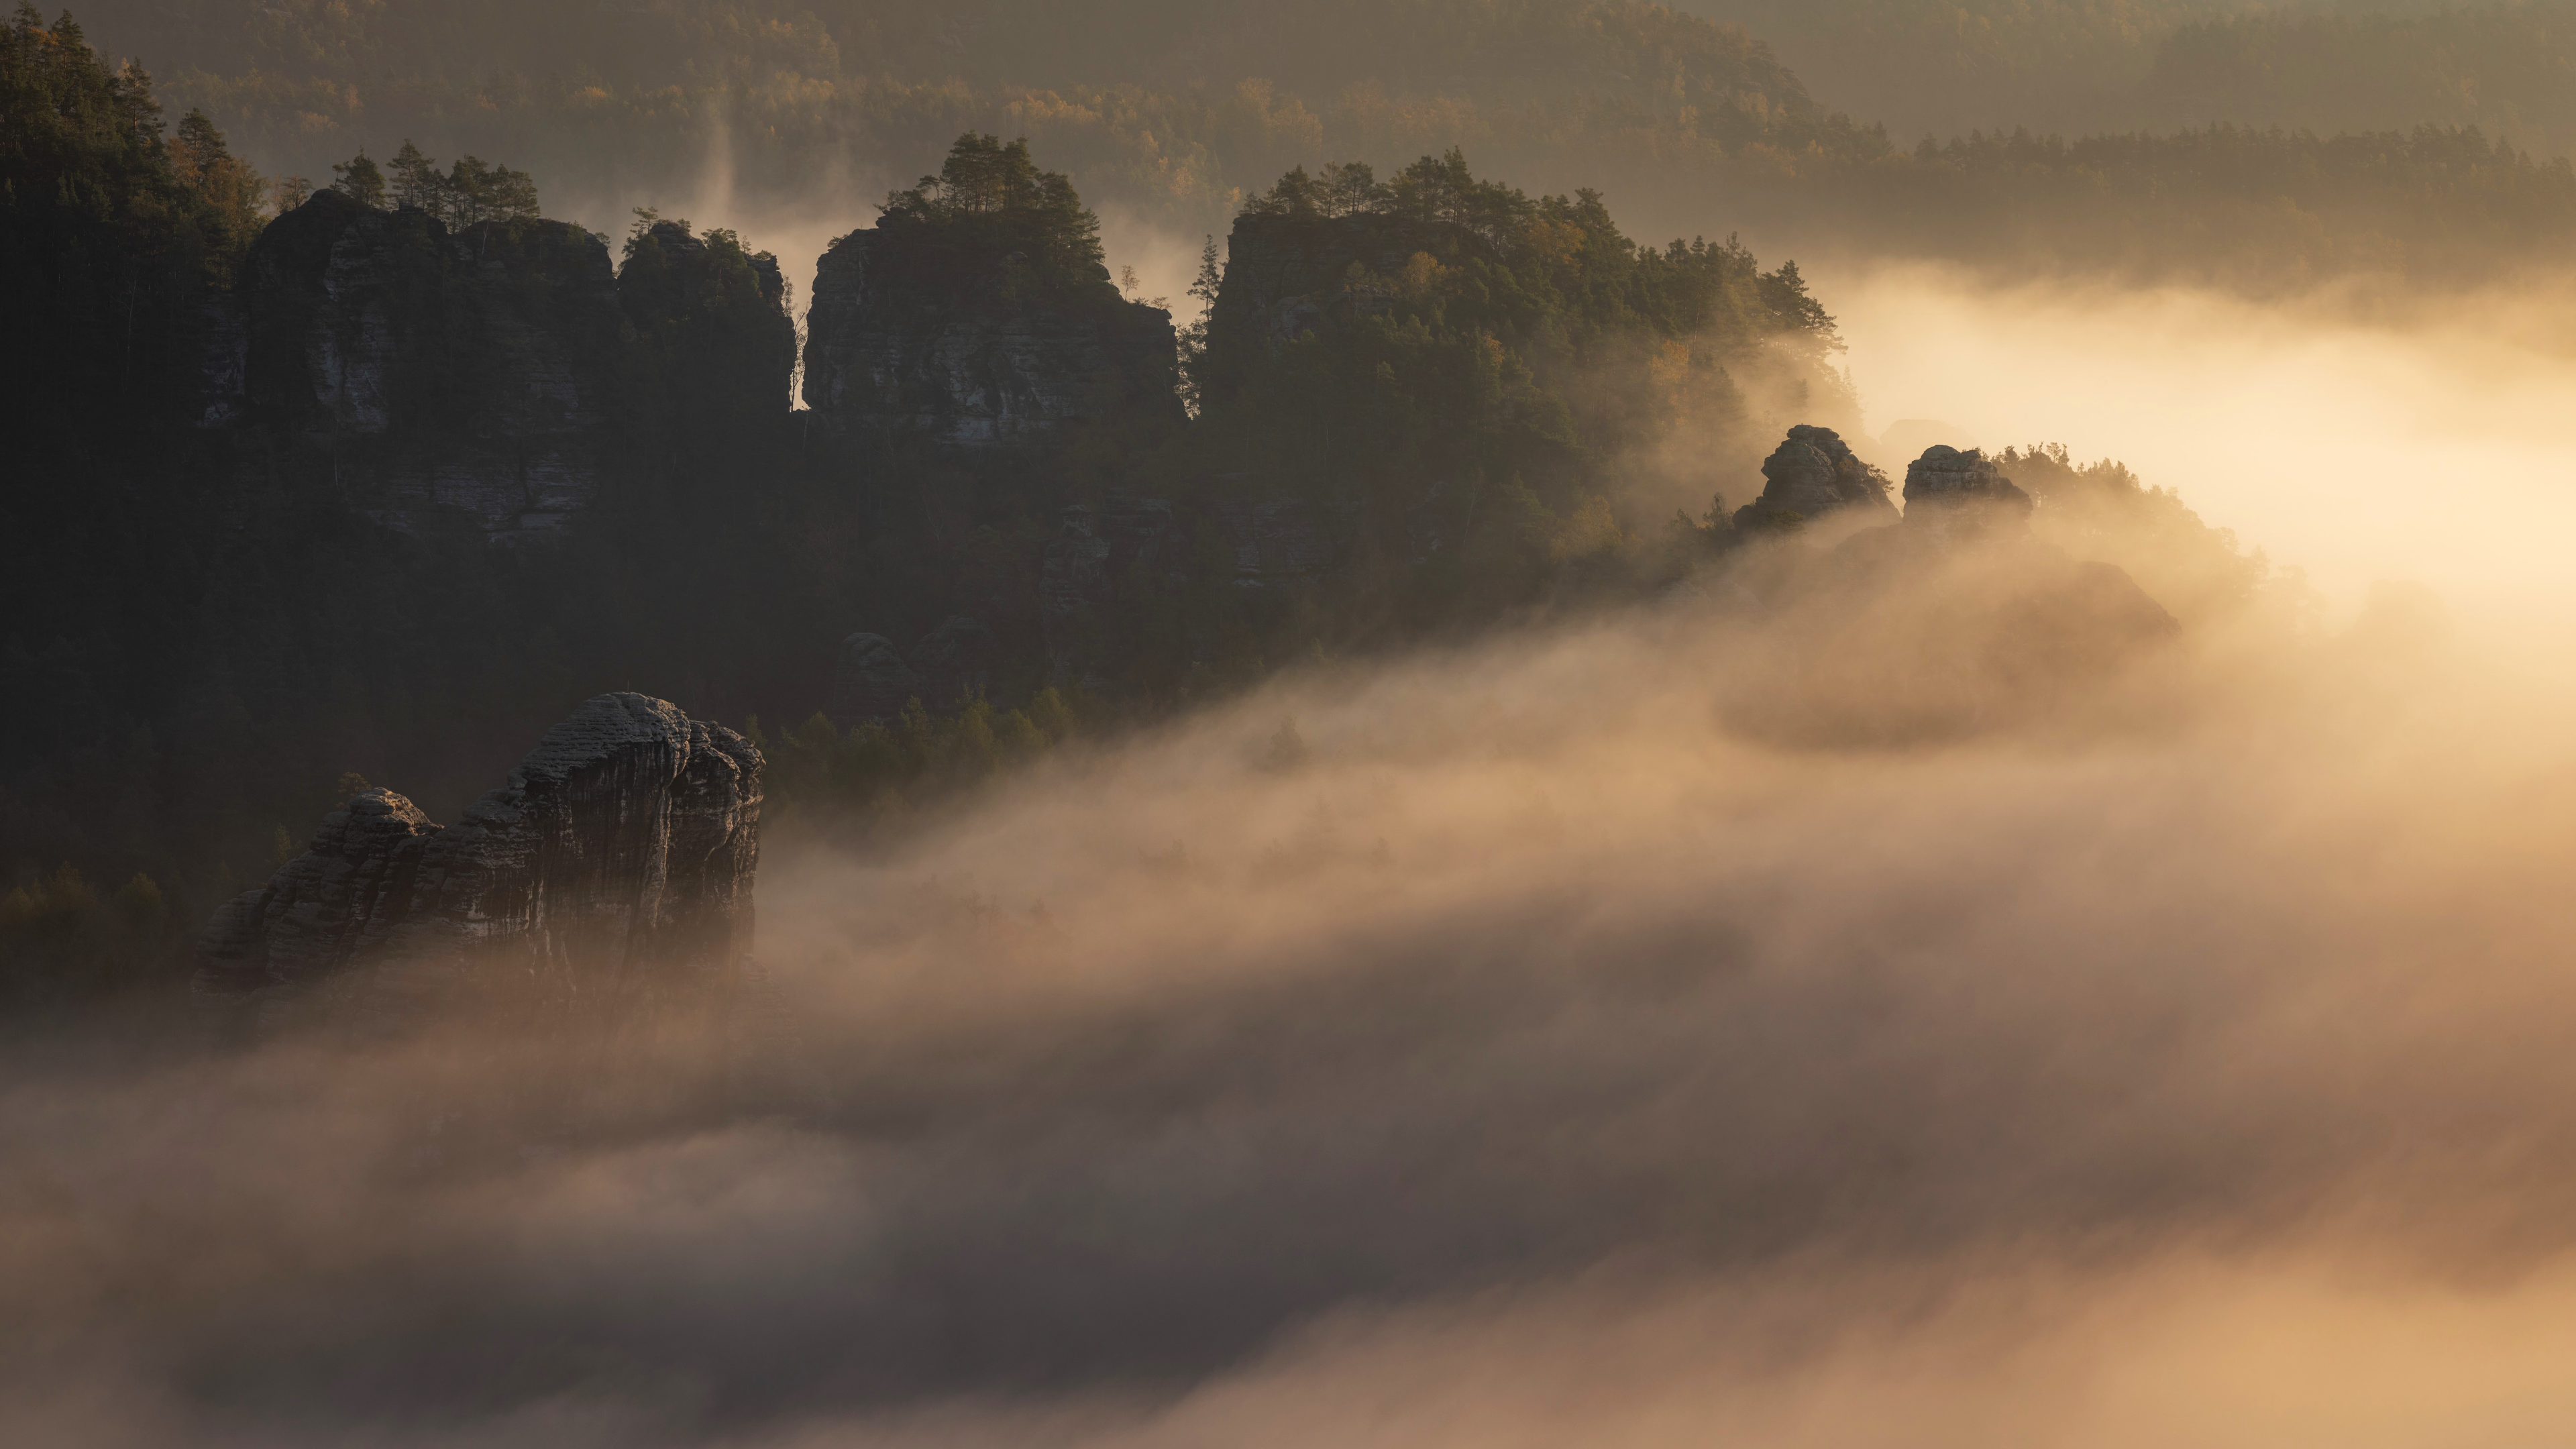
(1103, 556)
(452, 378)
(873, 681)
(714, 341)
(1950, 491)
(613, 871)
(1116, 577)
(1290, 274)
(1287, 541)
(1812, 474)
(975, 361)
(955, 662)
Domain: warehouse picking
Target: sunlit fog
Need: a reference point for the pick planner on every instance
(2433, 450)
(1129, 726)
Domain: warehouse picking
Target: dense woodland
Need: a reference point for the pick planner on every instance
(224, 640)
(2088, 66)
(1532, 415)
(2067, 121)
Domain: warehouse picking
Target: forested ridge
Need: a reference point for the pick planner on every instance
(231, 619)
(2068, 123)
(1502, 407)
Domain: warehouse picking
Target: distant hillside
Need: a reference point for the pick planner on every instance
(1180, 109)
(2509, 69)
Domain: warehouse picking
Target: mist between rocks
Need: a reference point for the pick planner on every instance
(1597, 1033)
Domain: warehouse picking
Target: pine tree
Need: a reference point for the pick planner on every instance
(1194, 338)
(224, 196)
(991, 201)
(358, 179)
(416, 182)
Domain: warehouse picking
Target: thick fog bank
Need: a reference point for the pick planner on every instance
(1514, 1050)
(2435, 448)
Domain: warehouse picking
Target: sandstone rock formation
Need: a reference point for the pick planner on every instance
(973, 361)
(1290, 274)
(871, 681)
(1285, 541)
(955, 662)
(1950, 491)
(613, 871)
(1100, 555)
(452, 378)
(1112, 568)
(1811, 474)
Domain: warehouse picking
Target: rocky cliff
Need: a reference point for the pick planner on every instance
(1117, 572)
(976, 361)
(615, 869)
(712, 341)
(1813, 474)
(873, 680)
(1951, 491)
(1295, 273)
(447, 378)
(1122, 552)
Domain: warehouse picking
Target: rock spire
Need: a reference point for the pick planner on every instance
(615, 868)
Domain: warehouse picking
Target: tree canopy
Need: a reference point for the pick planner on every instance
(470, 191)
(990, 203)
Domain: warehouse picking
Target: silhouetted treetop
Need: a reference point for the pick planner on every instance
(991, 203)
(472, 190)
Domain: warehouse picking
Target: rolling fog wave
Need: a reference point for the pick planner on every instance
(1490, 1047)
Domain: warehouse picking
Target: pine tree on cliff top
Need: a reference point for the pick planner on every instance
(359, 179)
(991, 204)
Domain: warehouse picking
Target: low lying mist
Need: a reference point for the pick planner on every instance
(2360, 447)
(1505, 1046)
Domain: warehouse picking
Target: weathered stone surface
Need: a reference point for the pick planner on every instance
(614, 869)
(1100, 555)
(1950, 491)
(1284, 541)
(955, 662)
(871, 681)
(222, 340)
(975, 364)
(1286, 275)
(1812, 474)
(453, 378)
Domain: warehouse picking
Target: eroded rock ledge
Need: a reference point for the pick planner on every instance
(613, 870)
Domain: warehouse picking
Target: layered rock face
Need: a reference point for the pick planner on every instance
(614, 870)
(1961, 492)
(1111, 567)
(1285, 541)
(955, 661)
(981, 364)
(873, 680)
(1811, 474)
(452, 378)
(1103, 556)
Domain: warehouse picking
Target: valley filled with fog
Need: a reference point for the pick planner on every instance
(1128, 725)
